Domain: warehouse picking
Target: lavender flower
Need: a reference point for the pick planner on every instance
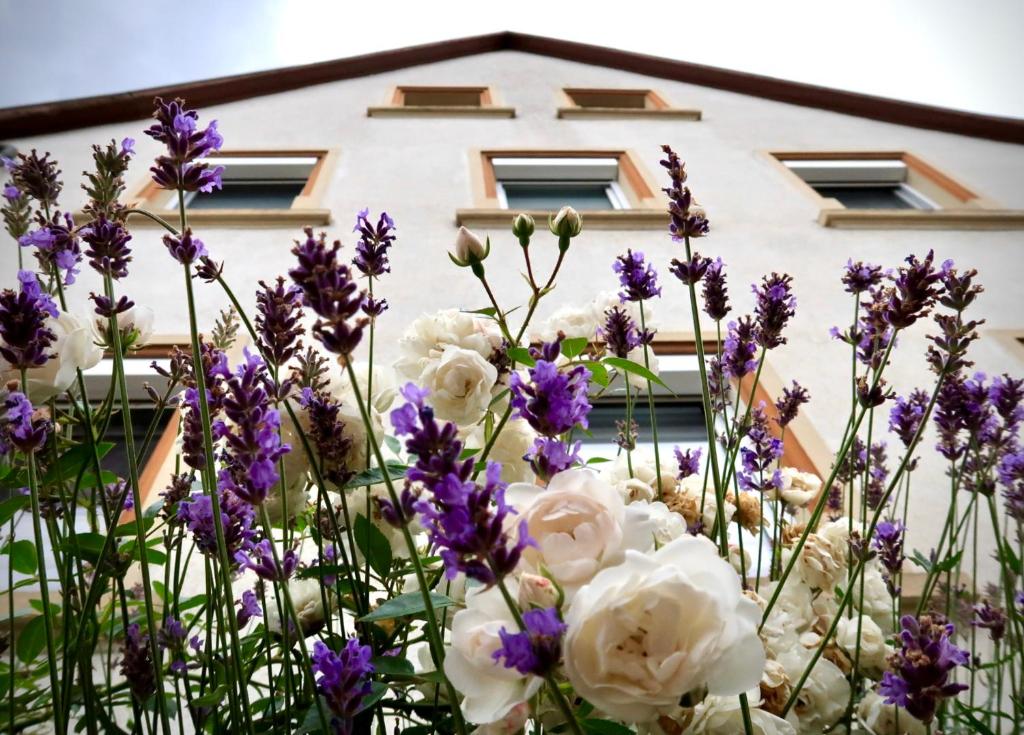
(107, 250)
(685, 222)
(835, 502)
(960, 291)
(248, 608)
(638, 279)
(714, 291)
(689, 462)
(435, 446)
(374, 241)
(888, 542)
(690, 271)
(467, 522)
(259, 558)
(905, 417)
(552, 402)
(860, 276)
(237, 518)
(990, 618)
(404, 512)
(921, 666)
(23, 314)
(619, 332)
(252, 438)
(739, 349)
(56, 244)
(372, 307)
(171, 637)
(788, 406)
(327, 434)
(343, 679)
(185, 249)
(278, 321)
(914, 290)
(550, 456)
(774, 306)
(878, 473)
(21, 426)
(11, 192)
(950, 416)
(757, 458)
(137, 663)
(1006, 396)
(537, 649)
(330, 291)
(38, 177)
(1011, 475)
(177, 127)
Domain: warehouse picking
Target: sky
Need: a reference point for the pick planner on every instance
(964, 55)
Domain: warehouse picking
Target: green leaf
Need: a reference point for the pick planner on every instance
(976, 724)
(9, 507)
(411, 603)
(921, 560)
(211, 698)
(598, 460)
(467, 453)
(393, 666)
(23, 556)
(32, 639)
(604, 727)
(486, 311)
(620, 363)
(311, 722)
(393, 443)
(87, 546)
(598, 373)
(522, 356)
(1011, 560)
(574, 346)
(373, 544)
(374, 476)
(950, 563)
(377, 691)
(71, 462)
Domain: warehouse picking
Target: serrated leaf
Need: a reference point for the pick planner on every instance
(522, 356)
(574, 346)
(32, 639)
(598, 373)
(628, 366)
(374, 476)
(411, 603)
(23, 556)
(373, 544)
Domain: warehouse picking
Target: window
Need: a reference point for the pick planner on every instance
(871, 184)
(890, 189)
(408, 100)
(609, 186)
(586, 184)
(258, 187)
(598, 103)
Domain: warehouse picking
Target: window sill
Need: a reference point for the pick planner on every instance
(608, 113)
(237, 217)
(943, 219)
(439, 111)
(605, 219)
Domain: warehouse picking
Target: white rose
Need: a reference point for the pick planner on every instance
(637, 355)
(825, 694)
(136, 321)
(799, 488)
(791, 614)
(513, 722)
(881, 718)
(876, 602)
(837, 533)
(693, 488)
(873, 648)
(665, 525)
(512, 444)
(296, 475)
(723, 716)
(536, 591)
(74, 349)
(579, 524)
(425, 340)
(385, 389)
(460, 384)
(607, 299)
(573, 321)
(644, 484)
(359, 500)
(307, 598)
(656, 626)
(819, 565)
(489, 689)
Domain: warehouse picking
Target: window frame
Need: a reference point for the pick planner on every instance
(306, 209)
(955, 205)
(654, 105)
(396, 103)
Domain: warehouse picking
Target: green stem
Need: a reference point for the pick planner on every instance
(650, 404)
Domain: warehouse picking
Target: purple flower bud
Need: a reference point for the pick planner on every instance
(248, 608)
(185, 249)
(550, 456)
(638, 279)
(714, 291)
(107, 250)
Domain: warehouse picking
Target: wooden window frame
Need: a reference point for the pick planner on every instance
(960, 206)
(648, 208)
(655, 106)
(306, 209)
(397, 104)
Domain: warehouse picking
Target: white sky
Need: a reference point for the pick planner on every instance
(966, 55)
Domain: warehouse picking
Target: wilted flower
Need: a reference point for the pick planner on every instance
(690, 271)
(914, 290)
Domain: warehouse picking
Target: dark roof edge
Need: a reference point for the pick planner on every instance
(88, 111)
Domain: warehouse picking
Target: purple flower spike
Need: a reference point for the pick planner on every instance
(550, 456)
(906, 415)
(21, 426)
(775, 305)
(921, 666)
(248, 608)
(107, 250)
(343, 679)
(688, 461)
(57, 247)
(374, 241)
(536, 650)
(685, 220)
(638, 279)
(259, 558)
(690, 271)
(237, 518)
(278, 321)
(990, 618)
(552, 402)
(137, 663)
(327, 434)
(860, 276)
(185, 249)
(714, 291)
(788, 406)
(180, 168)
(23, 331)
(739, 349)
(171, 637)
(619, 332)
(888, 542)
(757, 458)
(915, 289)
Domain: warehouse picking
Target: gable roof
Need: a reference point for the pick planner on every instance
(54, 117)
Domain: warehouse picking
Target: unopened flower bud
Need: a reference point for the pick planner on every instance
(568, 223)
(537, 591)
(470, 251)
(522, 227)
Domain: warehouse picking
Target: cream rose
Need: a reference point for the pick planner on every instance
(308, 598)
(646, 631)
(512, 444)
(644, 483)
(425, 340)
(723, 716)
(579, 524)
(881, 718)
(825, 694)
(460, 384)
(489, 689)
(572, 321)
(799, 488)
(74, 349)
(873, 648)
(819, 565)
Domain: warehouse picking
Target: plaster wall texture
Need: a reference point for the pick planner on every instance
(418, 169)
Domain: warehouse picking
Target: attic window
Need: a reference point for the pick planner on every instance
(440, 102)
(258, 187)
(890, 189)
(596, 103)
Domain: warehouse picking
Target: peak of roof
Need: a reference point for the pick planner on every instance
(54, 117)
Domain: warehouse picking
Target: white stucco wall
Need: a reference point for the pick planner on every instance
(418, 169)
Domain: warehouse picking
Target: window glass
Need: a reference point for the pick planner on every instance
(680, 423)
(552, 196)
(248, 195)
(867, 197)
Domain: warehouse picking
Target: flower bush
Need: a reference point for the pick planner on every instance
(421, 547)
